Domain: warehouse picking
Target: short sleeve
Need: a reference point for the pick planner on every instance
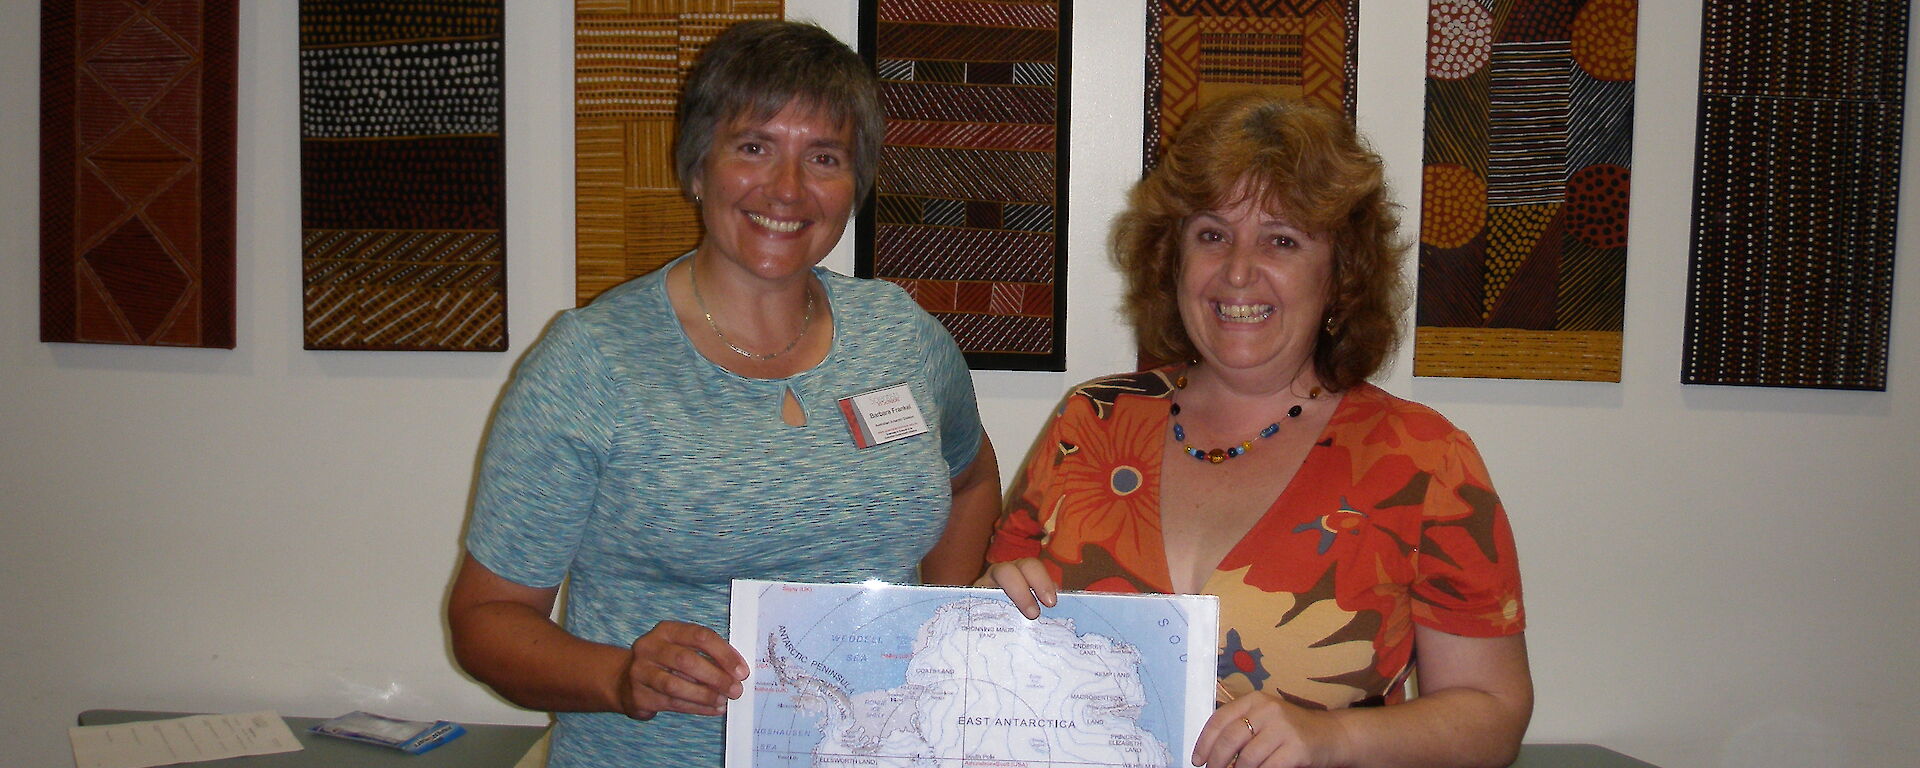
(1467, 578)
(1020, 531)
(540, 470)
(952, 385)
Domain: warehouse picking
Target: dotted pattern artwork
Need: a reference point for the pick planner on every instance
(630, 58)
(137, 155)
(1797, 178)
(1523, 211)
(970, 201)
(402, 175)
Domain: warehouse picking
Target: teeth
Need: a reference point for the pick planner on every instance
(775, 224)
(1243, 313)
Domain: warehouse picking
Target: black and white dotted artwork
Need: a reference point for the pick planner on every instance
(1797, 178)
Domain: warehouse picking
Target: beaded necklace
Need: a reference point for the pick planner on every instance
(1218, 455)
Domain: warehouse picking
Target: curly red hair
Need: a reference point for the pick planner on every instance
(1301, 160)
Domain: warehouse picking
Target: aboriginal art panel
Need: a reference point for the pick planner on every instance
(1200, 50)
(137, 127)
(969, 211)
(403, 175)
(630, 59)
(1796, 186)
(1523, 207)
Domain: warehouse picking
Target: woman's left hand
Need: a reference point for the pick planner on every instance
(1262, 731)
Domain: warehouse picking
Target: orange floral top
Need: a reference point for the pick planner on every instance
(1390, 521)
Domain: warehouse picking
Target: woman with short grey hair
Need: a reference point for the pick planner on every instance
(703, 423)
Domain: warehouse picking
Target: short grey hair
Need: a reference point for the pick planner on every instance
(755, 69)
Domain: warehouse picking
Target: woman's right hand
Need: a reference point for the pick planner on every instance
(1026, 583)
(681, 667)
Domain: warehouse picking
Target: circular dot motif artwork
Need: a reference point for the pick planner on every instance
(1459, 39)
(1596, 207)
(1456, 205)
(1603, 39)
(1537, 20)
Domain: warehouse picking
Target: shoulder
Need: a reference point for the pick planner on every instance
(1377, 403)
(1371, 416)
(623, 302)
(859, 298)
(876, 316)
(629, 321)
(1107, 392)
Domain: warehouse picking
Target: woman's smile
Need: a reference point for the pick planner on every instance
(1242, 313)
(783, 226)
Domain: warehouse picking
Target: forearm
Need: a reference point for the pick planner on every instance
(1453, 728)
(1476, 697)
(532, 662)
(960, 555)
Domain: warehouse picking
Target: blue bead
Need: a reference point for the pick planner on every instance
(1271, 428)
(1179, 434)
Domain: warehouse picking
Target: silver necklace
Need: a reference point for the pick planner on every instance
(693, 275)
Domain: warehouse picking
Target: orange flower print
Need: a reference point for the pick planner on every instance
(1312, 654)
(1112, 485)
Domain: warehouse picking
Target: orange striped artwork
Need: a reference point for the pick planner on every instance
(1200, 50)
(1523, 204)
(630, 59)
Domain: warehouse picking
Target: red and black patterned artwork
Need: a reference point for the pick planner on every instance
(402, 175)
(1796, 190)
(969, 211)
(137, 172)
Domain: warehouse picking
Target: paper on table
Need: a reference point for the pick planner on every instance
(180, 740)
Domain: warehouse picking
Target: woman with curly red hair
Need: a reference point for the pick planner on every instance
(1353, 537)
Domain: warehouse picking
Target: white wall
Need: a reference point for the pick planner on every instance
(1716, 576)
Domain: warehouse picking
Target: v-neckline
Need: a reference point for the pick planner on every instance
(1165, 564)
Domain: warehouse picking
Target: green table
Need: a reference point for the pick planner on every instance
(486, 746)
(1574, 756)
(483, 746)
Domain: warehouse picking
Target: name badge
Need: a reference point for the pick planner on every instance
(883, 416)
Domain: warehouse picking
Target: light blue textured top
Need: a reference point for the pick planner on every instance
(624, 461)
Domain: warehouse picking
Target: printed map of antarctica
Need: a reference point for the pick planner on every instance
(944, 677)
